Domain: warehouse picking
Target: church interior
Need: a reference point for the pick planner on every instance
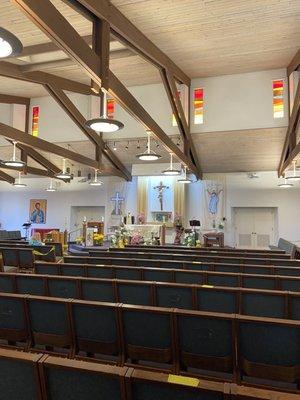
(149, 199)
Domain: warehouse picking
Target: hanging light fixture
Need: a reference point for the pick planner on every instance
(14, 162)
(285, 184)
(51, 187)
(148, 155)
(63, 174)
(104, 124)
(10, 45)
(293, 175)
(171, 171)
(185, 179)
(95, 182)
(18, 182)
(115, 146)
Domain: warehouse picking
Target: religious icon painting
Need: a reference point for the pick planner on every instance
(38, 211)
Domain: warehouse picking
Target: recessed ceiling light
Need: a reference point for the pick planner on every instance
(10, 45)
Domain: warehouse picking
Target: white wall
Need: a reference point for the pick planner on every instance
(231, 102)
(5, 118)
(14, 203)
(54, 124)
(240, 101)
(287, 201)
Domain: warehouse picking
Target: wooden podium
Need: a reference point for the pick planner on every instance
(92, 227)
(213, 239)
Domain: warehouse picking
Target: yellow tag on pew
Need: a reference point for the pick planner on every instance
(208, 286)
(183, 380)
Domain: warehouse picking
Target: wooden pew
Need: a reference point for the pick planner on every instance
(146, 258)
(20, 375)
(256, 281)
(256, 302)
(234, 268)
(228, 347)
(186, 251)
(29, 376)
(24, 257)
(178, 264)
(207, 249)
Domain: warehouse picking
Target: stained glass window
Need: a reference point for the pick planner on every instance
(110, 108)
(278, 106)
(198, 106)
(35, 121)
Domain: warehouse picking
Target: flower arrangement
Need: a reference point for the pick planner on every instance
(98, 239)
(190, 239)
(79, 240)
(119, 238)
(136, 238)
(141, 218)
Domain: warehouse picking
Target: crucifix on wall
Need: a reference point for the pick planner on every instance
(118, 200)
(160, 188)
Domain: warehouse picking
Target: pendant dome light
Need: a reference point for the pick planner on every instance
(64, 174)
(95, 182)
(103, 123)
(285, 184)
(185, 179)
(148, 155)
(171, 171)
(51, 187)
(18, 182)
(293, 175)
(14, 162)
(10, 45)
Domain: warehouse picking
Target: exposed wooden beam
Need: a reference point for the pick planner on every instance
(67, 62)
(101, 33)
(36, 156)
(37, 143)
(294, 64)
(14, 134)
(182, 122)
(131, 36)
(178, 112)
(133, 107)
(46, 16)
(7, 178)
(63, 100)
(8, 99)
(288, 152)
(14, 71)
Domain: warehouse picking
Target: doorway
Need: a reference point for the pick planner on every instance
(255, 227)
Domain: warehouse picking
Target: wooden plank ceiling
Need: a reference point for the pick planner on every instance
(204, 38)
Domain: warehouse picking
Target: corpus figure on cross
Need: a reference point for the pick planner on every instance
(161, 187)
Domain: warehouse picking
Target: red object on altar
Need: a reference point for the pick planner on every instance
(43, 231)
